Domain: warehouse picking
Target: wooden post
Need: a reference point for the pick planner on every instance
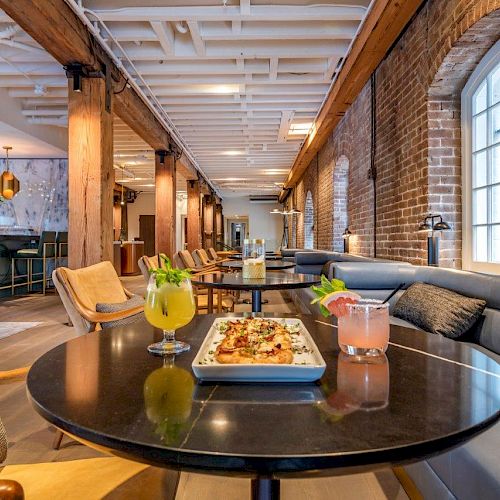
(219, 225)
(193, 216)
(90, 175)
(165, 217)
(208, 221)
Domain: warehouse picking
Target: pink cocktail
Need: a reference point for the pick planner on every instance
(364, 330)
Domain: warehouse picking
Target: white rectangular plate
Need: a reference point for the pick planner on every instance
(308, 364)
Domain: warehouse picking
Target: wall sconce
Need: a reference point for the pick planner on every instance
(433, 230)
(346, 234)
(9, 183)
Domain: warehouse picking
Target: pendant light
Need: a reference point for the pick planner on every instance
(8, 183)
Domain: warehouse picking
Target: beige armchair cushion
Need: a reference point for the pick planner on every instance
(96, 284)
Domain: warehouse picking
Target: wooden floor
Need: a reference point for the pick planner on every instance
(30, 437)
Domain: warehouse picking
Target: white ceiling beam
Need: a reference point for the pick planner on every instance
(45, 112)
(166, 36)
(332, 30)
(32, 68)
(331, 67)
(26, 92)
(228, 66)
(199, 44)
(235, 27)
(250, 49)
(286, 120)
(229, 13)
(202, 79)
(273, 68)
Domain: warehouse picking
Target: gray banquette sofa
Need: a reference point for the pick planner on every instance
(471, 471)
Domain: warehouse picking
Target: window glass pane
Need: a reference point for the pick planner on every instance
(479, 133)
(479, 100)
(480, 169)
(495, 243)
(495, 204)
(480, 244)
(495, 85)
(495, 165)
(495, 123)
(480, 206)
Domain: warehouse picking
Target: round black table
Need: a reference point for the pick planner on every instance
(272, 281)
(105, 390)
(271, 265)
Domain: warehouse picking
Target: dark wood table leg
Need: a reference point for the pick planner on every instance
(265, 489)
(210, 298)
(256, 301)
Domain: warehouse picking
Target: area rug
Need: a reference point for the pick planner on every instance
(8, 328)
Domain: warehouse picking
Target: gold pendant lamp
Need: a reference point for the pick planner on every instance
(8, 182)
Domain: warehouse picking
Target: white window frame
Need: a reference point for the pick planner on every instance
(483, 69)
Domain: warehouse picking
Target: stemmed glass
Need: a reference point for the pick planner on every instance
(169, 307)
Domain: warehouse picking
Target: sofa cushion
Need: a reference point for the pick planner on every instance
(438, 310)
(134, 301)
(374, 275)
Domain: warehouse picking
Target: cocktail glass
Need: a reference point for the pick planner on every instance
(364, 330)
(169, 307)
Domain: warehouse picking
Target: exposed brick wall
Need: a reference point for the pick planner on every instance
(417, 158)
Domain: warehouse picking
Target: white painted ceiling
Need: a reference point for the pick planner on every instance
(25, 145)
(235, 77)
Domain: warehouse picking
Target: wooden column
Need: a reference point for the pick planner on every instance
(165, 217)
(193, 215)
(219, 225)
(90, 175)
(208, 221)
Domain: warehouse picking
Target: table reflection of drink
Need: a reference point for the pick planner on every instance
(364, 330)
(364, 380)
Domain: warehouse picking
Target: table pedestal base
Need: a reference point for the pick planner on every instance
(265, 489)
(256, 301)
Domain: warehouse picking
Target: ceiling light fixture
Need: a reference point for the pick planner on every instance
(232, 152)
(300, 128)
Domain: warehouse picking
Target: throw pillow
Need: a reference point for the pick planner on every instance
(438, 310)
(134, 301)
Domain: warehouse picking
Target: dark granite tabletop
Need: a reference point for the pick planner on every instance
(272, 281)
(271, 265)
(428, 395)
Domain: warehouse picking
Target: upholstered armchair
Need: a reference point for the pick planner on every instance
(82, 290)
(146, 263)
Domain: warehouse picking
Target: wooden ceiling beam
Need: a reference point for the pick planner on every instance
(381, 28)
(55, 26)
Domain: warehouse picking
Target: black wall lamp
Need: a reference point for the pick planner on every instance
(433, 230)
(346, 235)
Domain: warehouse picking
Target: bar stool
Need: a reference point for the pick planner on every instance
(61, 246)
(46, 251)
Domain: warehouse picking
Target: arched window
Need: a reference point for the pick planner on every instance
(340, 188)
(309, 222)
(481, 165)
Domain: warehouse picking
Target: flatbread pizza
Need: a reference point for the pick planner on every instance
(255, 341)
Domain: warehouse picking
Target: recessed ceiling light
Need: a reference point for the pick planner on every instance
(223, 89)
(299, 128)
(232, 152)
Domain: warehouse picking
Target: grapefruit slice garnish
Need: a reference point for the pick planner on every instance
(336, 302)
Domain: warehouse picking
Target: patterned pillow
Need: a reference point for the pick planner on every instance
(134, 301)
(439, 310)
